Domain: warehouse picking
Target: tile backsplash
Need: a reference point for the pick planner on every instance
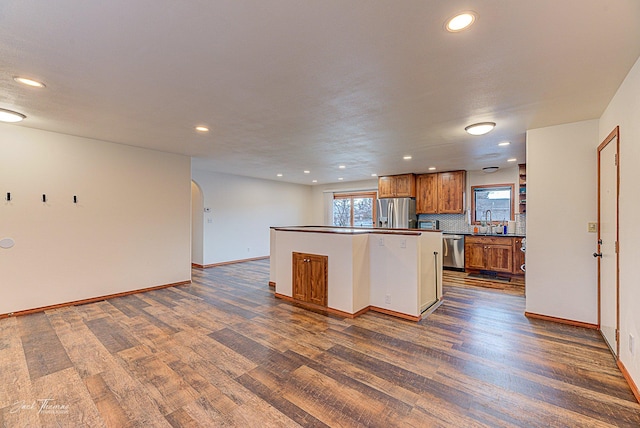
(459, 223)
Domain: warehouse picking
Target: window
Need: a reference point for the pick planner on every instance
(354, 209)
(497, 198)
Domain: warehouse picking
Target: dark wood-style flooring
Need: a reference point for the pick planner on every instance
(224, 352)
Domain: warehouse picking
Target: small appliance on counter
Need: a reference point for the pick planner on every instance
(429, 224)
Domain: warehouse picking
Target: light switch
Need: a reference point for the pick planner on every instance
(209, 220)
(593, 227)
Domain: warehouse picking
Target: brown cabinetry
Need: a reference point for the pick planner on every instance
(397, 186)
(441, 193)
(518, 256)
(522, 189)
(310, 278)
(489, 253)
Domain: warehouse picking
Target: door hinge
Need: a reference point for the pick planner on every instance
(617, 335)
(616, 159)
(616, 247)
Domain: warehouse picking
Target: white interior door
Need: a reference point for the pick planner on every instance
(608, 239)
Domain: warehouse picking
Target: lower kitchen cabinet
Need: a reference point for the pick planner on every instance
(518, 256)
(310, 272)
(489, 253)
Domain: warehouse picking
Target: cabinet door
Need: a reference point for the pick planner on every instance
(299, 276)
(499, 258)
(518, 256)
(385, 187)
(474, 256)
(451, 186)
(317, 276)
(405, 186)
(427, 193)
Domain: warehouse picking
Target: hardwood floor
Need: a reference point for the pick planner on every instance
(224, 352)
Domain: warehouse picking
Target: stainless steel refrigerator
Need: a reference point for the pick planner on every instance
(397, 213)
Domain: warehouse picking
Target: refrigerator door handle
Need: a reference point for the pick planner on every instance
(390, 217)
(446, 247)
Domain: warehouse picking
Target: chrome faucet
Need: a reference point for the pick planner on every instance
(487, 218)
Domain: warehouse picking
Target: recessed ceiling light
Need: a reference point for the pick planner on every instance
(342, 166)
(340, 179)
(406, 157)
(504, 143)
(460, 22)
(29, 82)
(512, 160)
(11, 116)
(307, 172)
(480, 128)
(278, 175)
(314, 181)
(202, 129)
(374, 175)
(432, 168)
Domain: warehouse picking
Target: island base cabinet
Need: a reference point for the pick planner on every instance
(310, 273)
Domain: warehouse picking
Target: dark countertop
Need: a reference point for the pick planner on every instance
(352, 230)
(496, 235)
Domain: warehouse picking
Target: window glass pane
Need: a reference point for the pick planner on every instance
(342, 212)
(363, 212)
(496, 199)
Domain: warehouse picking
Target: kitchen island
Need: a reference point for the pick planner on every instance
(349, 271)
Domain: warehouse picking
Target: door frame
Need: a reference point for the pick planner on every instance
(615, 134)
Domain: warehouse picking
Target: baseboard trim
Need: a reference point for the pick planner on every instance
(347, 314)
(627, 377)
(253, 259)
(90, 300)
(395, 314)
(561, 320)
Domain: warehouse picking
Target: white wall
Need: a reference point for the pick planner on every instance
(561, 198)
(197, 225)
(318, 191)
(129, 230)
(242, 211)
(624, 111)
(509, 175)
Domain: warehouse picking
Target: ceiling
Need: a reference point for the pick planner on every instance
(289, 85)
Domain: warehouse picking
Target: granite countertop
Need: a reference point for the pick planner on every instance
(497, 235)
(351, 230)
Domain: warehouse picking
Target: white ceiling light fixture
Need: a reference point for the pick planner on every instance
(512, 160)
(504, 143)
(432, 168)
(314, 181)
(342, 166)
(340, 179)
(407, 157)
(489, 169)
(480, 128)
(374, 175)
(201, 128)
(11, 116)
(306, 171)
(278, 175)
(460, 22)
(29, 82)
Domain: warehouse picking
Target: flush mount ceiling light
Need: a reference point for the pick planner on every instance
(28, 82)
(460, 22)
(480, 128)
(489, 169)
(11, 116)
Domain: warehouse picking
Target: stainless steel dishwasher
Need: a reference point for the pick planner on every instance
(453, 252)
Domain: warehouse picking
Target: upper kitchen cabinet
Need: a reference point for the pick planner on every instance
(397, 186)
(441, 193)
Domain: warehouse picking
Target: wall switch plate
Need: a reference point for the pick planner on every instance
(632, 343)
(592, 227)
(381, 241)
(209, 220)
(387, 299)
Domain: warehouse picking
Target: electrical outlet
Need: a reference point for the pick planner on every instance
(403, 243)
(248, 250)
(387, 299)
(592, 227)
(631, 343)
(381, 241)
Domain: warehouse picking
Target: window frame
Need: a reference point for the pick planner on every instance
(510, 186)
(359, 195)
